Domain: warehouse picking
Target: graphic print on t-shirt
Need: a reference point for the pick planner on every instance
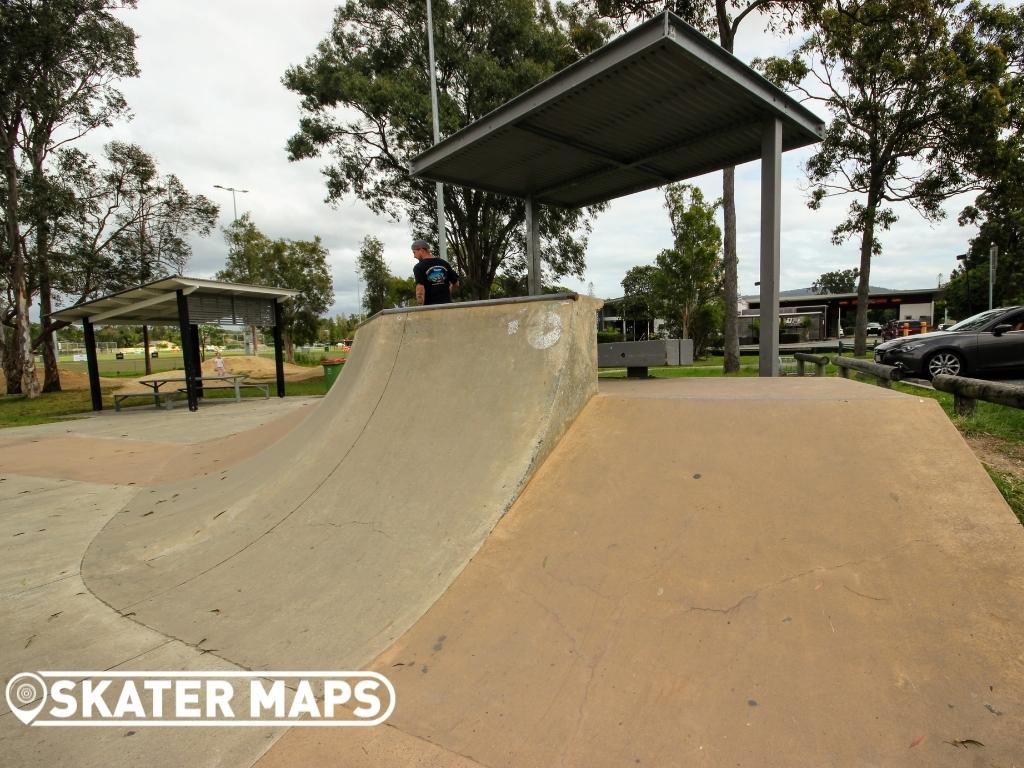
(437, 275)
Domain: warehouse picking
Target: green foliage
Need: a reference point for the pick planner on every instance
(689, 276)
(640, 292)
(1012, 489)
(685, 285)
(366, 103)
(121, 223)
(58, 62)
(914, 96)
(998, 210)
(299, 264)
(608, 336)
(338, 328)
(958, 302)
(401, 292)
(375, 275)
(838, 281)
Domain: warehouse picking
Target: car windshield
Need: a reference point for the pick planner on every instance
(977, 321)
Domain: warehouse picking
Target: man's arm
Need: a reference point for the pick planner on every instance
(421, 294)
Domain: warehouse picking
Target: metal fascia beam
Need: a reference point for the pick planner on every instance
(238, 289)
(125, 309)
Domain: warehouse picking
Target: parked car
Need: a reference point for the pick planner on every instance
(874, 329)
(894, 328)
(987, 344)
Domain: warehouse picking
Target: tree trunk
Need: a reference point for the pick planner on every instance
(21, 349)
(289, 347)
(23, 330)
(51, 373)
(255, 344)
(731, 362)
(867, 241)
(11, 362)
(145, 349)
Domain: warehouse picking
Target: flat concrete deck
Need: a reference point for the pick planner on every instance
(59, 485)
(686, 581)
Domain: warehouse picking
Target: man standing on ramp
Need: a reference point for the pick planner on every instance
(435, 278)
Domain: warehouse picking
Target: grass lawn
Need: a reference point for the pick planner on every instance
(1001, 429)
(18, 411)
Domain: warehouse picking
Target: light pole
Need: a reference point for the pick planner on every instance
(442, 240)
(967, 272)
(232, 190)
(993, 257)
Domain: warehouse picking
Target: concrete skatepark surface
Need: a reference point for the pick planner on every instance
(682, 581)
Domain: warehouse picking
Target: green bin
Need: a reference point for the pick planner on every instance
(331, 370)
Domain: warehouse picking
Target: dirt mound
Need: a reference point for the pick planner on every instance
(262, 368)
(68, 380)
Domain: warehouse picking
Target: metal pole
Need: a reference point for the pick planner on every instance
(771, 222)
(234, 202)
(442, 239)
(534, 284)
(993, 256)
(279, 347)
(186, 351)
(92, 365)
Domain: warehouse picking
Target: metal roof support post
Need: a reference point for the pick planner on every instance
(93, 365)
(197, 358)
(279, 347)
(186, 351)
(771, 220)
(533, 276)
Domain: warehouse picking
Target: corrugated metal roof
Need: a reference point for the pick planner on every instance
(658, 104)
(155, 303)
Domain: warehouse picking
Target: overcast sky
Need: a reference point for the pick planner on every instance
(209, 105)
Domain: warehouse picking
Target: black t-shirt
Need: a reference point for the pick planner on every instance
(436, 276)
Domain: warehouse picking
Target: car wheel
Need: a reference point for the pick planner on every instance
(946, 362)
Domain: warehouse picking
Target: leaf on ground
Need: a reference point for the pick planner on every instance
(965, 743)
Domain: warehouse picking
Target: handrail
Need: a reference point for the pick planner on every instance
(966, 392)
(886, 374)
(819, 362)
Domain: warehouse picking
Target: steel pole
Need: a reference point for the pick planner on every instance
(771, 221)
(442, 239)
(993, 255)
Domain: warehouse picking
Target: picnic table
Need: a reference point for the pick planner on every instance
(225, 381)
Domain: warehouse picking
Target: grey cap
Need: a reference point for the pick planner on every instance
(417, 244)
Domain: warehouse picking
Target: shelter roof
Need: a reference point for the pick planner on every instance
(658, 104)
(155, 303)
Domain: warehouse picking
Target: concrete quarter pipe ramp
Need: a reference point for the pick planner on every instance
(724, 573)
(321, 550)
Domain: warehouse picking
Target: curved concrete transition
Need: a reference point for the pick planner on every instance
(727, 572)
(320, 551)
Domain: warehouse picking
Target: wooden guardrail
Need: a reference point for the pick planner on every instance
(886, 374)
(966, 392)
(819, 362)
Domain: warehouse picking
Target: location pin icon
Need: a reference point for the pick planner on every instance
(22, 690)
